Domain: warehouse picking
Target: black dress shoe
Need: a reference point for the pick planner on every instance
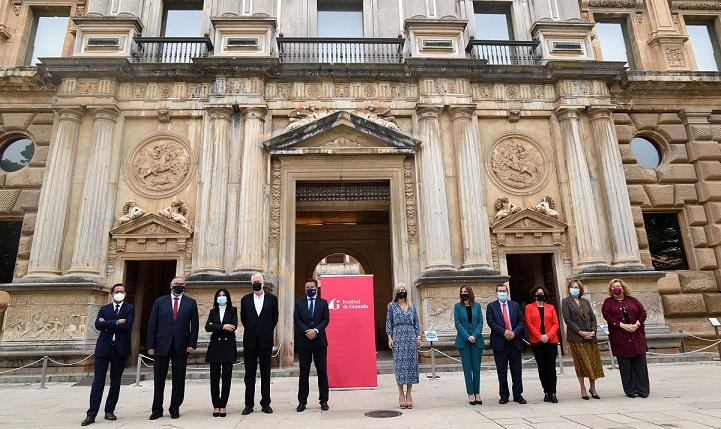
(595, 396)
(216, 413)
(223, 414)
(631, 395)
(546, 397)
(174, 414)
(520, 400)
(585, 397)
(642, 395)
(503, 401)
(110, 416)
(300, 408)
(247, 410)
(267, 410)
(478, 402)
(88, 421)
(554, 400)
(155, 416)
(324, 406)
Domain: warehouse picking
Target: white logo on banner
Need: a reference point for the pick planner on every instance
(346, 304)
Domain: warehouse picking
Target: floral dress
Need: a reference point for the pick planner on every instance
(404, 328)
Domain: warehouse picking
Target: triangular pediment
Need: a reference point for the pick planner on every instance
(528, 220)
(151, 225)
(341, 133)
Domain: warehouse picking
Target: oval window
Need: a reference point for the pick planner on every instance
(646, 152)
(16, 154)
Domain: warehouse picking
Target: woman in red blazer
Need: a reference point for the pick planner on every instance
(542, 324)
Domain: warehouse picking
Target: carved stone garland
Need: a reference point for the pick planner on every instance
(409, 189)
(275, 192)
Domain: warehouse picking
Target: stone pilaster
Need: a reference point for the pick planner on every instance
(433, 202)
(130, 7)
(471, 189)
(251, 204)
(665, 39)
(55, 197)
(213, 193)
(618, 205)
(585, 218)
(95, 216)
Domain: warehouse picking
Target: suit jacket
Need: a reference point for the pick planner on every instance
(533, 323)
(109, 327)
(258, 328)
(303, 321)
(163, 331)
(465, 329)
(222, 347)
(578, 319)
(494, 317)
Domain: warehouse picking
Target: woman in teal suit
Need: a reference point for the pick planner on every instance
(468, 317)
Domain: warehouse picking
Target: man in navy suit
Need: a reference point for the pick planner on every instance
(259, 315)
(311, 317)
(172, 335)
(114, 321)
(506, 321)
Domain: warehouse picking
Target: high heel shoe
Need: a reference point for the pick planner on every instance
(402, 402)
(409, 403)
(222, 413)
(216, 413)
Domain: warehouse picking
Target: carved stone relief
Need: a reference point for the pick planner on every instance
(305, 115)
(275, 192)
(130, 211)
(177, 211)
(379, 115)
(547, 206)
(58, 323)
(674, 56)
(159, 166)
(505, 208)
(517, 165)
(409, 189)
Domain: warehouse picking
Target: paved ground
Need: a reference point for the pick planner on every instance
(683, 395)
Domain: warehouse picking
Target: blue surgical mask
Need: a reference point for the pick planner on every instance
(310, 293)
(502, 296)
(575, 292)
(221, 300)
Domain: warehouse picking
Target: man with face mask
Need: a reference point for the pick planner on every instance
(506, 321)
(259, 315)
(172, 335)
(311, 317)
(115, 322)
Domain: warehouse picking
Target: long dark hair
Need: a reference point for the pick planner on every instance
(227, 294)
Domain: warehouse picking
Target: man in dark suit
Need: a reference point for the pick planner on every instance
(172, 335)
(259, 315)
(505, 319)
(114, 321)
(311, 317)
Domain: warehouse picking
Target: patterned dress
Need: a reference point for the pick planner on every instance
(404, 328)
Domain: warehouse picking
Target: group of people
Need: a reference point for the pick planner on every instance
(173, 334)
(624, 314)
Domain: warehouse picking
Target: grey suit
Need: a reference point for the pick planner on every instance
(578, 319)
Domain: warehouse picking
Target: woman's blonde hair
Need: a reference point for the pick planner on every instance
(624, 286)
(581, 287)
(398, 287)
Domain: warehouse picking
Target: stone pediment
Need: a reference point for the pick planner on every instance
(341, 133)
(527, 228)
(151, 225)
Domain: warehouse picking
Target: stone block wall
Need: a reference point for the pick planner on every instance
(20, 190)
(686, 182)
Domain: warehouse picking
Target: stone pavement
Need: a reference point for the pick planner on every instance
(683, 395)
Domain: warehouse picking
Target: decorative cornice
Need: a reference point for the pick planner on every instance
(695, 5)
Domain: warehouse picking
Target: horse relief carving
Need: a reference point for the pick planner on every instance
(160, 166)
(517, 164)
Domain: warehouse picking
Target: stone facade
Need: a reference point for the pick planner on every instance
(198, 162)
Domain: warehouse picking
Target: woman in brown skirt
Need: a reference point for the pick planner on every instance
(581, 336)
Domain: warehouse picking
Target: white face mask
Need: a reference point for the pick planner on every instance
(119, 297)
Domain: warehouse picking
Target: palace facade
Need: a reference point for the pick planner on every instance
(428, 142)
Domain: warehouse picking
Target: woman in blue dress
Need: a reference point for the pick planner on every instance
(404, 338)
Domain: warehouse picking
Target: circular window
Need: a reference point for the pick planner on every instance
(646, 152)
(16, 154)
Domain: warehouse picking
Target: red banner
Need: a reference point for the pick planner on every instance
(351, 334)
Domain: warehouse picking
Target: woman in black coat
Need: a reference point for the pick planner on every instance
(222, 350)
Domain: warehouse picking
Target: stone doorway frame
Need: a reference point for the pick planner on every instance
(288, 170)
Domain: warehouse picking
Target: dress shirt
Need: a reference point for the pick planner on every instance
(221, 312)
(258, 301)
(120, 305)
(172, 300)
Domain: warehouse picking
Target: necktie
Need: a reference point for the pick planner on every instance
(117, 309)
(505, 318)
(311, 306)
(175, 308)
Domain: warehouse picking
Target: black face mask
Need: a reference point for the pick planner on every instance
(464, 296)
(539, 297)
(401, 295)
(310, 293)
(178, 289)
(257, 286)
